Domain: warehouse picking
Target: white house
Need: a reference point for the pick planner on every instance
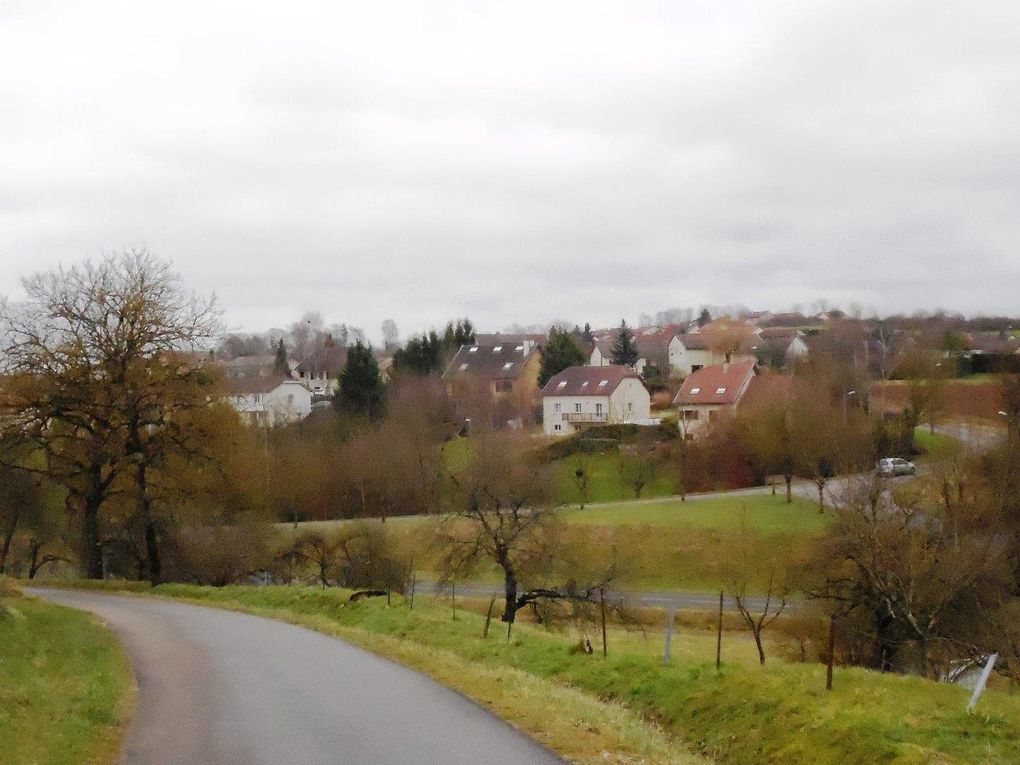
(270, 400)
(710, 392)
(602, 395)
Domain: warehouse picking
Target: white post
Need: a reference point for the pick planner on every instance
(669, 634)
(982, 682)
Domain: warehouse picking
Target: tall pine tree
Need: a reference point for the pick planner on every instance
(361, 386)
(281, 366)
(561, 352)
(625, 350)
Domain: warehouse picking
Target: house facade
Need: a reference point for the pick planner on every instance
(593, 395)
(711, 392)
(498, 380)
(268, 401)
(320, 370)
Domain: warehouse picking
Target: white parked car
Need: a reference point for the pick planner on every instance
(893, 466)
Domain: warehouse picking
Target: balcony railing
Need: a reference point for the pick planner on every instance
(585, 417)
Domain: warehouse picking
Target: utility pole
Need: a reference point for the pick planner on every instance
(718, 636)
(832, 651)
(669, 635)
(602, 604)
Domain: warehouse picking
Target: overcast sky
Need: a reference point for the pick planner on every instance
(520, 162)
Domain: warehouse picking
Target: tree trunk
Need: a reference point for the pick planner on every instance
(8, 538)
(821, 496)
(509, 592)
(155, 566)
(789, 488)
(93, 544)
(757, 643)
(34, 563)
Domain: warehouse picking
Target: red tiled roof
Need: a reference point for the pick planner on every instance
(588, 381)
(766, 389)
(716, 384)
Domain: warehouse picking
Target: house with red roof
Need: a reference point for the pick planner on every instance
(712, 392)
(580, 396)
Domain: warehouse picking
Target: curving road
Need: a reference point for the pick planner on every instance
(223, 688)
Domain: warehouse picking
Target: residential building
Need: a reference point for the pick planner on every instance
(247, 366)
(268, 401)
(711, 392)
(320, 370)
(593, 395)
(499, 380)
(782, 346)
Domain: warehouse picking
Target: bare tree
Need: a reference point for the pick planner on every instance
(94, 355)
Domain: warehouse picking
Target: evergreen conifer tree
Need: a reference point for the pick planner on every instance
(281, 366)
(625, 350)
(561, 352)
(361, 386)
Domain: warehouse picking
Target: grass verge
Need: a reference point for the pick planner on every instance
(779, 713)
(66, 688)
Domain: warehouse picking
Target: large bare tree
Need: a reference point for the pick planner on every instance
(99, 371)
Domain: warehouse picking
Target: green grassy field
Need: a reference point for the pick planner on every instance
(935, 445)
(757, 512)
(745, 714)
(66, 688)
(605, 484)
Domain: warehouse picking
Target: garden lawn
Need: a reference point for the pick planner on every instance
(66, 687)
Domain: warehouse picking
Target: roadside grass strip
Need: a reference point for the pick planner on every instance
(66, 687)
(629, 708)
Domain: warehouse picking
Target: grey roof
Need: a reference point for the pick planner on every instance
(504, 361)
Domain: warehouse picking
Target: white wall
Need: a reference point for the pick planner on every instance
(630, 402)
(288, 402)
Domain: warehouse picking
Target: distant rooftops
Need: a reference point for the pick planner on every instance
(501, 361)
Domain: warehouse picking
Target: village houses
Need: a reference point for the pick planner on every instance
(604, 395)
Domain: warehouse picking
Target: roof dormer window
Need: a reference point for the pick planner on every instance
(720, 390)
(695, 391)
(584, 384)
(497, 348)
(603, 383)
(519, 348)
(463, 367)
(563, 384)
(508, 365)
(473, 349)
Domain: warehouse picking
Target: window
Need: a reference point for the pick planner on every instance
(690, 414)
(603, 383)
(630, 406)
(290, 399)
(557, 407)
(504, 386)
(720, 390)
(696, 367)
(508, 365)
(563, 384)
(519, 348)
(463, 367)
(258, 399)
(695, 391)
(577, 408)
(557, 427)
(473, 349)
(497, 348)
(584, 384)
(598, 408)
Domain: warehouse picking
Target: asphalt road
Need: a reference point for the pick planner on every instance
(223, 688)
